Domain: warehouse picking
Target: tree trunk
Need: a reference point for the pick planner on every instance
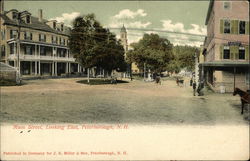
(88, 75)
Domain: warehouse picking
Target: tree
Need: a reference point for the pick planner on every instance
(95, 46)
(184, 56)
(152, 50)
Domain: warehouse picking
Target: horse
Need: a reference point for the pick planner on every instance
(158, 80)
(244, 97)
(179, 81)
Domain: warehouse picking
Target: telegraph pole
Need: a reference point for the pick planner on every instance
(18, 48)
(144, 71)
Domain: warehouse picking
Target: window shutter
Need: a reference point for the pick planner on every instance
(232, 26)
(221, 26)
(45, 38)
(221, 51)
(31, 36)
(236, 53)
(232, 51)
(247, 52)
(236, 26)
(247, 27)
(39, 37)
(11, 33)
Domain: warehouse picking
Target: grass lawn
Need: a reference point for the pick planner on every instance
(100, 81)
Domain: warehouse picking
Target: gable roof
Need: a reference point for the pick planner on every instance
(35, 24)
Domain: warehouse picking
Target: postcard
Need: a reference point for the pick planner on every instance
(124, 80)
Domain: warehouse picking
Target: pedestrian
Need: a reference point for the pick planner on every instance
(199, 89)
(191, 81)
(194, 88)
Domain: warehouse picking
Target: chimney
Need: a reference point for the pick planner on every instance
(1, 6)
(40, 15)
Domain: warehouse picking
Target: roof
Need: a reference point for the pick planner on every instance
(210, 8)
(123, 29)
(226, 64)
(35, 24)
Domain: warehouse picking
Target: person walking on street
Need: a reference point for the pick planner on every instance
(194, 88)
(191, 81)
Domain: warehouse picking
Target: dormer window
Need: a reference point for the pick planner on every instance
(54, 25)
(61, 27)
(28, 19)
(14, 15)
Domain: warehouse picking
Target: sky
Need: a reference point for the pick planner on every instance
(162, 17)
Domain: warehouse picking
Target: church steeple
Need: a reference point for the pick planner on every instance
(123, 37)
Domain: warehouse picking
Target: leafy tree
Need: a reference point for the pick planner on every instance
(152, 50)
(95, 46)
(184, 56)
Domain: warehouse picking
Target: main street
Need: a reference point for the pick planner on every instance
(136, 102)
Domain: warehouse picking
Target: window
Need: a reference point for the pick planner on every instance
(28, 35)
(227, 5)
(61, 27)
(227, 26)
(226, 52)
(54, 39)
(242, 27)
(13, 34)
(42, 50)
(241, 53)
(3, 50)
(54, 25)
(3, 34)
(12, 48)
(28, 19)
(14, 15)
(28, 50)
(42, 37)
(62, 41)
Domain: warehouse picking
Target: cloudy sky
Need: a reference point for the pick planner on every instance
(182, 22)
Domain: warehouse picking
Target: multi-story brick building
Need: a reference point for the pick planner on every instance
(41, 48)
(226, 47)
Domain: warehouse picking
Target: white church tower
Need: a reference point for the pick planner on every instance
(124, 39)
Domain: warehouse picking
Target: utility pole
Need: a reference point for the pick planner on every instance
(144, 71)
(18, 48)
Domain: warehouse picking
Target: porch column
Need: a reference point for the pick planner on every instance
(15, 49)
(39, 50)
(39, 67)
(35, 50)
(69, 68)
(53, 69)
(35, 67)
(66, 68)
(31, 67)
(78, 68)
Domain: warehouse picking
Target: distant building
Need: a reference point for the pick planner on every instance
(42, 48)
(124, 40)
(226, 47)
